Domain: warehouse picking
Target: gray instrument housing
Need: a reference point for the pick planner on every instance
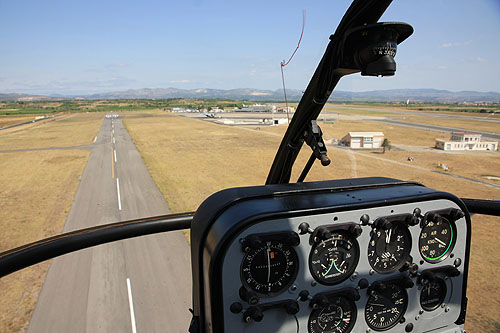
(321, 204)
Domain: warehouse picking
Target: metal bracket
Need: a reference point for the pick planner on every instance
(314, 139)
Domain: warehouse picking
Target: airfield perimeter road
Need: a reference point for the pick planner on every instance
(135, 285)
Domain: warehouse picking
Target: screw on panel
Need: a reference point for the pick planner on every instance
(417, 317)
(313, 283)
(443, 305)
(452, 255)
(421, 311)
(354, 276)
(293, 289)
(447, 309)
(372, 272)
(457, 262)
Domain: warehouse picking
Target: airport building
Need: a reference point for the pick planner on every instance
(466, 141)
(363, 140)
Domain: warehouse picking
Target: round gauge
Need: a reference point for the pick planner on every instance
(335, 259)
(269, 269)
(389, 249)
(433, 294)
(386, 307)
(436, 240)
(338, 317)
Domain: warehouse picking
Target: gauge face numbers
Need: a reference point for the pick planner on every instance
(269, 269)
(436, 240)
(335, 259)
(338, 317)
(433, 294)
(389, 249)
(386, 307)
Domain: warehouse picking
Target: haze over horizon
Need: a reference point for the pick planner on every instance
(68, 48)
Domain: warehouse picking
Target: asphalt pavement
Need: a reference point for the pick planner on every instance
(135, 285)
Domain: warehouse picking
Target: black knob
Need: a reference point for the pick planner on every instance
(320, 301)
(378, 287)
(254, 243)
(407, 282)
(324, 234)
(303, 228)
(355, 230)
(236, 307)
(363, 283)
(456, 214)
(304, 295)
(412, 220)
(382, 223)
(409, 327)
(452, 271)
(292, 308)
(417, 212)
(293, 239)
(433, 217)
(253, 313)
(364, 219)
(248, 296)
(325, 160)
(428, 275)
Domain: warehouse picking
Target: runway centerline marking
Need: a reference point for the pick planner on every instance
(94, 139)
(115, 155)
(112, 167)
(131, 304)
(118, 191)
(114, 140)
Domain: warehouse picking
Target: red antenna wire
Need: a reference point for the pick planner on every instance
(284, 63)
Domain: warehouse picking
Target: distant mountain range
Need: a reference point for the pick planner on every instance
(258, 95)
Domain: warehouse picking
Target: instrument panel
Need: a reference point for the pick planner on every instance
(394, 267)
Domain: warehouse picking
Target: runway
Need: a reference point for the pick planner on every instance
(136, 285)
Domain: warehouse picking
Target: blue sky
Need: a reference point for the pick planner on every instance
(79, 47)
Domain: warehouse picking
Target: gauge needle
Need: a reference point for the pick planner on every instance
(331, 265)
(388, 236)
(268, 264)
(337, 267)
(440, 241)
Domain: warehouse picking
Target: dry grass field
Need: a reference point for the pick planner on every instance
(190, 159)
(70, 130)
(6, 121)
(36, 194)
(475, 165)
(396, 134)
